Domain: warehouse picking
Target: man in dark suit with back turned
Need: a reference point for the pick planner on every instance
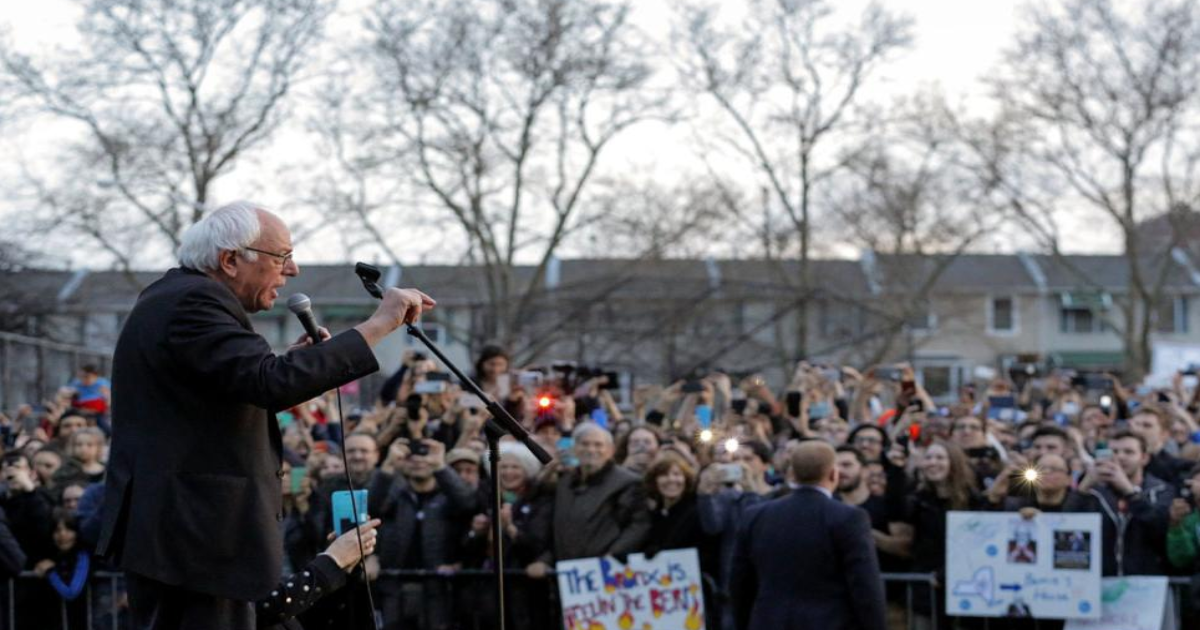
(192, 497)
(806, 561)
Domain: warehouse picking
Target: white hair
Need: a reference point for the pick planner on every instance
(520, 454)
(585, 428)
(233, 226)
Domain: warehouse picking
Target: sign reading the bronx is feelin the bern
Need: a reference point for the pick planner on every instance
(642, 594)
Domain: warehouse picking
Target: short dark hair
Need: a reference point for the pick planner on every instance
(1051, 431)
(89, 369)
(66, 517)
(760, 449)
(1126, 434)
(846, 448)
(1164, 418)
(12, 457)
(869, 427)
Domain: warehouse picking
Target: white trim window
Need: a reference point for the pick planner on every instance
(1003, 316)
(1171, 316)
(923, 319)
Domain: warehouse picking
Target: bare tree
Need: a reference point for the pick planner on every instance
(909, 198)
(168, 95)
(788, 80)
(502, 111)
(1099, 114)
(23, 299)
(646, 221)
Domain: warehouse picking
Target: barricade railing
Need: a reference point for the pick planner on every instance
(108, 589)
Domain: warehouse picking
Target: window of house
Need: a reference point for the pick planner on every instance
(840, 320)
(1078, 320)
(1171, 315)
(921, 318)
(1082, 312)
(1002, 315)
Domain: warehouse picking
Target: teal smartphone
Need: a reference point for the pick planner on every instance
(298, 473)
(347, 513)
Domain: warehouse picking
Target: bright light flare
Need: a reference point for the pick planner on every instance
(1031, 475)
(706, 435)
(544, 402)
(731, 445)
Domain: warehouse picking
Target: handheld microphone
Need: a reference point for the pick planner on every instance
(299, 304)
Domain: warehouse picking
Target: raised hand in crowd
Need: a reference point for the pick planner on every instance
(1180, 508)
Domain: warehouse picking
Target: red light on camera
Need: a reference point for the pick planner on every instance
(544, 402)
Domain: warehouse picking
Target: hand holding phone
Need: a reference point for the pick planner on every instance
(794, 399)
(349, 511)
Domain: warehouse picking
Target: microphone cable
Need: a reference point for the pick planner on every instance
(362, 556)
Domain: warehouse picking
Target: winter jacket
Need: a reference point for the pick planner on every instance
(440, 516)
(1135, 538)
(604, 514)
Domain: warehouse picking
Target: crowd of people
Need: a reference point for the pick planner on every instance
(675, 469)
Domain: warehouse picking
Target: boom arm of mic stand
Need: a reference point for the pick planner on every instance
(500, 415)
(501, 421)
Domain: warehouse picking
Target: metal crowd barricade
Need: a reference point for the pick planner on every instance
(111, 582)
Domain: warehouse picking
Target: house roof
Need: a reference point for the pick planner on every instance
(651, 280)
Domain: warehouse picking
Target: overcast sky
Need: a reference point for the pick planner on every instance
(956, 44)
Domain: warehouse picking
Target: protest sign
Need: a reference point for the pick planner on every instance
(999, 564)
(642, 594)
(1132, 603)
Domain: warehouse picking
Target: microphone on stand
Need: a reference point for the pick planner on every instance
(299, 304)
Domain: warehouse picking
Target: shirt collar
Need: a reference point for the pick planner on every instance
(822, 489)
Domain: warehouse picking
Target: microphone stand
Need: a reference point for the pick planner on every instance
(500, 423)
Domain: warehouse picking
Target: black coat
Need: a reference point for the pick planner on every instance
(604, 514)
(193, 494)
(440, 516)
(807, 561)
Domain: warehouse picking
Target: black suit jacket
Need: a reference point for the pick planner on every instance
(192, 497)
(807, 562)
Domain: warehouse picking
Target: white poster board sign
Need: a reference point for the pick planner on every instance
(665, 592)
(1168, 358)
(1141, 602)
(1001, 565)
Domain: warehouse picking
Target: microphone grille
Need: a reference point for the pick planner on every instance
(299, 303)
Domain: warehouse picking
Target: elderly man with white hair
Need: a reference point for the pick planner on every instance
(600, 507)
(192, 496)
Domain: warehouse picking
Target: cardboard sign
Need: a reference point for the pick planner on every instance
(604, 594)
(1001, 565)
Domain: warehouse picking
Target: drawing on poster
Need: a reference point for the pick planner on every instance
(982, 585)
(1004, 565)
(1022, 543)
(1072, 549)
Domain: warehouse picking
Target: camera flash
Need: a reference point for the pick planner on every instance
(1031, 475)
(544, 402)
(731, 445)
(1106, 401)
(706, 436)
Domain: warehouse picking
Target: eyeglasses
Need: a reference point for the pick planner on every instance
(283, 258)
(867, 439)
